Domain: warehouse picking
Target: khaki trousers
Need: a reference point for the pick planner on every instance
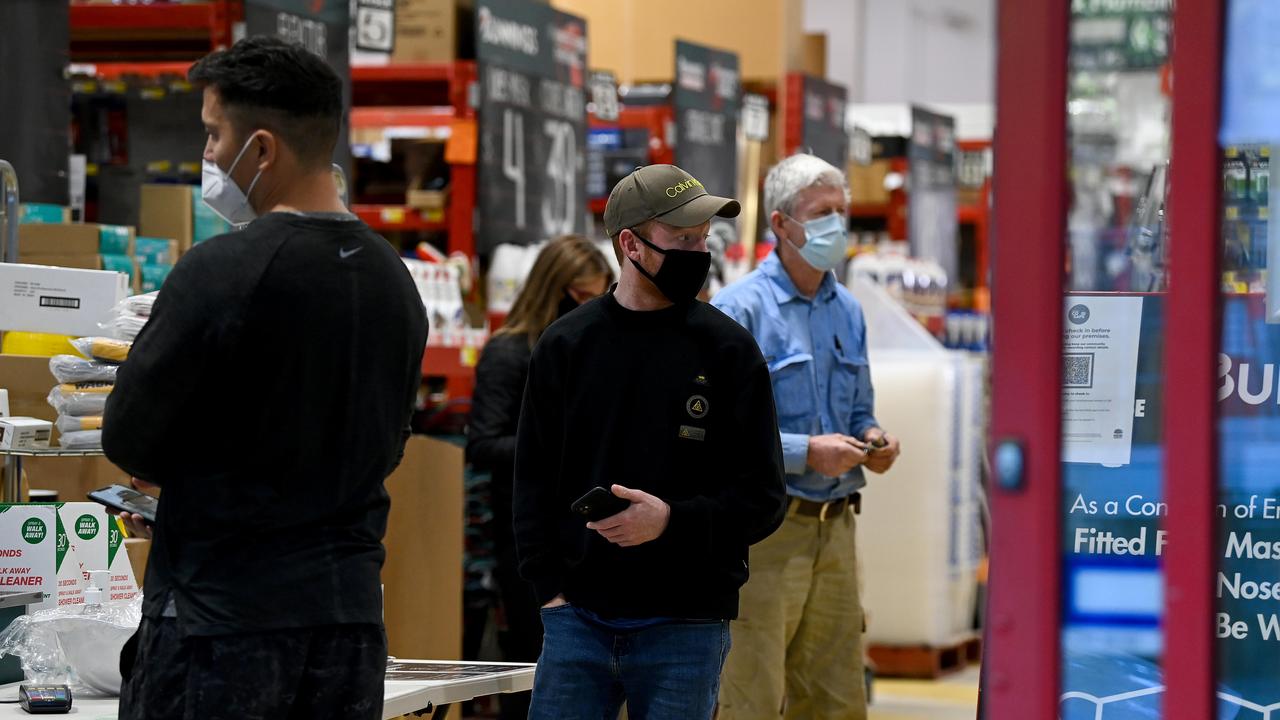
(797, 642)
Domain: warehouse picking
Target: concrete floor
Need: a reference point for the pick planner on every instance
(954, 697)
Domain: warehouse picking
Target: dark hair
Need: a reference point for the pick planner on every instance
(278, 86)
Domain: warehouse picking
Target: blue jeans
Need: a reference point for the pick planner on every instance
(666, 672)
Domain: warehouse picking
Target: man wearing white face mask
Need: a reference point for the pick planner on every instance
(269, 395)
(797, 645)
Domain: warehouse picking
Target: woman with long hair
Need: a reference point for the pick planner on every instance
(569, 271)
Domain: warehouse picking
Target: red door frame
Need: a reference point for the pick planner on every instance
(1022, 667)
(1192, 338)
(1020, 674)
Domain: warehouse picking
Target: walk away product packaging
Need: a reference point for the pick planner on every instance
(97, 544)
(34, 556)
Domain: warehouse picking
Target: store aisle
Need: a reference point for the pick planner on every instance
(951, 698)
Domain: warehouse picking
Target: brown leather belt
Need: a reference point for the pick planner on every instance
(829, 510)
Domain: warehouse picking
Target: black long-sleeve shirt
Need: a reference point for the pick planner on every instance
(269, 397)
(495, 412)
(674, 402)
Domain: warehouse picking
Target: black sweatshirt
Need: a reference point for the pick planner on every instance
(269, 396)
(491, 430)
(674, 402)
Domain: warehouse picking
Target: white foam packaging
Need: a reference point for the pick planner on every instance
(920, 534)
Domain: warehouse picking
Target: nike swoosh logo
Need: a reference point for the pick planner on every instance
(344, 254)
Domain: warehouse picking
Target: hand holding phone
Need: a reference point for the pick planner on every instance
(599, 504)
(127, 500)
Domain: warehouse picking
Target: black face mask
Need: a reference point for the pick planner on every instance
(567, 305)
(682, 274)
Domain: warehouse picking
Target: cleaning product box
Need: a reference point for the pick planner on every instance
(205, 222)
(62, 301)
(155, 251)
(44, 213)
(25, 433)
(97, 544)
(115, 239)
(122, 264)
(36, 555)
(151, 277)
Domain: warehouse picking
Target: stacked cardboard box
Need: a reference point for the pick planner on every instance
(86, 246)
(178, 212)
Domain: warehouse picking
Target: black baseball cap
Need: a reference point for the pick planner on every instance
(664, 193)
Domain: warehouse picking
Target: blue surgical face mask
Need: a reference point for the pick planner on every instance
(826, 241)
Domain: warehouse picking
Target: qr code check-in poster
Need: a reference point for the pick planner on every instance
(1099, 376)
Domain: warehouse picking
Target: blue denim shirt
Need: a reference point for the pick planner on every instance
(817, 355)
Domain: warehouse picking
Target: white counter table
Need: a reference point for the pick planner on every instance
(413, 686)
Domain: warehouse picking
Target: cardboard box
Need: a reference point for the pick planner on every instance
(167, 212)
(139, 551)
(424, 540)
(866, 183)
(427, 31)
(58, 239)
(25, 433)
(81, 262)
(34, 298)
(28, 380)
(72, 478)
(429, 200)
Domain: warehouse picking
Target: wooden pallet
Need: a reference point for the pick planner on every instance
(925, 661)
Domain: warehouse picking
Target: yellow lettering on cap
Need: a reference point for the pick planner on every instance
(680, 187)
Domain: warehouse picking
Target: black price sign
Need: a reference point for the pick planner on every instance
(321, 26)
(533, 122)
(707, 96)
(931, 202)
(604, 96)
(823, 131)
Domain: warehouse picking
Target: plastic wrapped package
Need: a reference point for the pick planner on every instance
(72, 369)
(77, 645)
(125, 326)
(139, 305)
(83, 440)
(103, 349)
(76, 402)
(71, 424)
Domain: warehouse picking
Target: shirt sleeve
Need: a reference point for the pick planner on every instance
(536, 488)
(795, 446)
(750, 504)
(154, 422)
(495, 407)
(795, 453)
(863, 417)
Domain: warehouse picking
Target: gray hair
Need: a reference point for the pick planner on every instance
(796, 174)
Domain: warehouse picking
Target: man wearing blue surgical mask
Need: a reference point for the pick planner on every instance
(797, 645)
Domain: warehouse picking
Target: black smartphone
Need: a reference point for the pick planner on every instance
(124, 499)
(599, 504)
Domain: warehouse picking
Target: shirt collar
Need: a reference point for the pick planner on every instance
(784, 290)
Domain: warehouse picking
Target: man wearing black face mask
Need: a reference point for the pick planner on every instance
(664, 402)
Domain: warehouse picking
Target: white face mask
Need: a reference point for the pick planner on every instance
(223, 196)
